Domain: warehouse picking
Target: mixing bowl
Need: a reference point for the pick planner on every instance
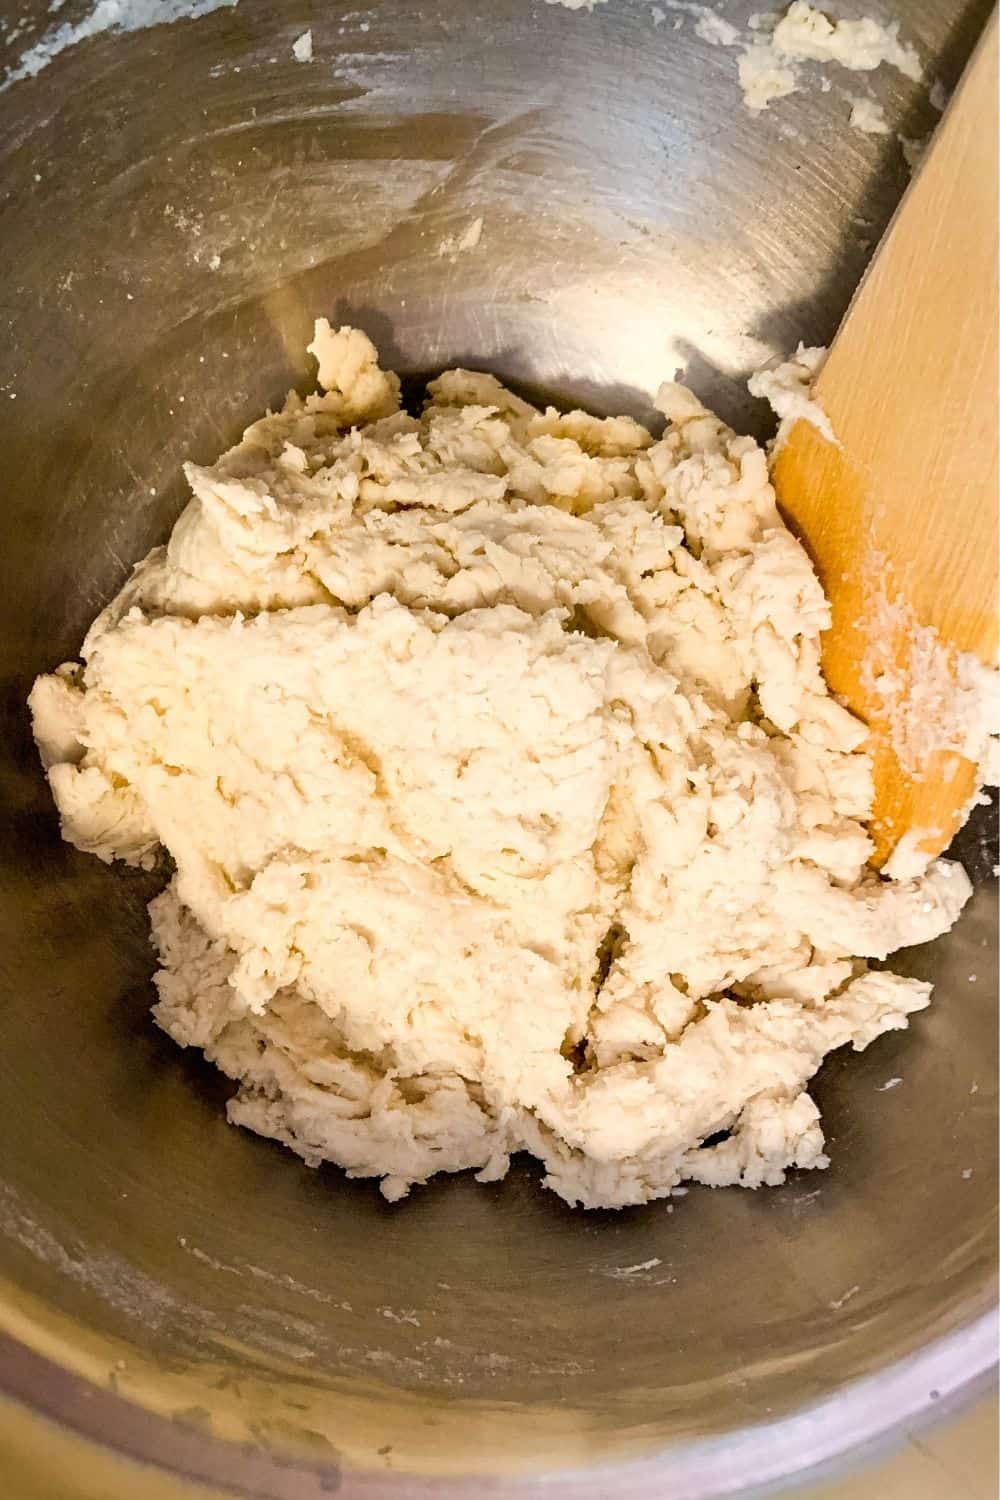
(179, 202)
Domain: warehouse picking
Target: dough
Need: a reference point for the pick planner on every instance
(507, 805)
(787, 387)
(770, 66)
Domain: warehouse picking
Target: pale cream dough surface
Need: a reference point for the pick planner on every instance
(507, 806)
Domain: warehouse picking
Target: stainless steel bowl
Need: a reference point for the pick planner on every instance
(178, 203)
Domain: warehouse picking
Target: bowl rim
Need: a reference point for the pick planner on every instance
(858, 1422)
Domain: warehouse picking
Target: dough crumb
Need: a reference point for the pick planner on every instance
(839, 1302)
(764, 77)
(507, 805)
(938, 96)
(913, 148)
(468, 239)
(302, 47)
(868, 116)
(787, 386)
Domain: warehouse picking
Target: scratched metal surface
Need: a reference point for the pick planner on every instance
(176, 205)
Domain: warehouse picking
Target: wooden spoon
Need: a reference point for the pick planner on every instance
(901, 518)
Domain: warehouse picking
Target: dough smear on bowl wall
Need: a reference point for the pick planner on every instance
(508, 808)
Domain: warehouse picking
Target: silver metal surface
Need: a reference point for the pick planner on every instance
(177, 204)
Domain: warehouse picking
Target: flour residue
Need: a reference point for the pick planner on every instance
(106, 16)
(932, 698)
(716, 30)
(626, 1273)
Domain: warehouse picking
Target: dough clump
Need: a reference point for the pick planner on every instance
(507, 805)
(770, 67)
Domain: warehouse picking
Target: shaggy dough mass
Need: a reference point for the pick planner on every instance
(508, 805)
